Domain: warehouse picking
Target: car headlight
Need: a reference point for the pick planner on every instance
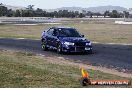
(68, 43)
(88, 44)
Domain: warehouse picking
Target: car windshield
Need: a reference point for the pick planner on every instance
(69, 32)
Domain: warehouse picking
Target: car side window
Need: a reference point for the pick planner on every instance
(55, 32)
(50, 31)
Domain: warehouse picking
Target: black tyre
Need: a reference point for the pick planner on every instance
(59, 49)
(90, 52)
(85, 82)
(44, 46)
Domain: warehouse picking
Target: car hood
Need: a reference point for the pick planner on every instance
(73, 39)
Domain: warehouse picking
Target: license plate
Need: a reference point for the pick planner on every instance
(87, 48)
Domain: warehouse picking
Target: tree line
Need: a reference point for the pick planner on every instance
(31, 12)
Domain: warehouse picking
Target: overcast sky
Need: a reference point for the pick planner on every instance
(52, 4)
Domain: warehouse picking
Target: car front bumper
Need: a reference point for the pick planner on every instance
(76, 48)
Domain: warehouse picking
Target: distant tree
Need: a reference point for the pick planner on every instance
(24, 13)
(1, 3)
(126, 14)
(44, 13)
(17, 13)
(130, 15)
(88, 13)
(76, 13)
(30, 7)
(91, 15)
(29, 12)
(51, 14)
(60, 13)
(114, 14)
(106, 13)
(84, 12)
(81, 15)
(56, 14)
(97, 14)
(39, 12)
(72, 14)
(10, 13)
(65, 13)
(3, 10)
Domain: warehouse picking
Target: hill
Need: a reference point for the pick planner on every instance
(101, 9)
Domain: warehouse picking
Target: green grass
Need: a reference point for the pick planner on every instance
(95, 30)
(26, 70)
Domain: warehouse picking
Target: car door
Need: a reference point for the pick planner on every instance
(49, 36)
(54, 38)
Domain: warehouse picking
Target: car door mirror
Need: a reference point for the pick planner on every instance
(82, 35)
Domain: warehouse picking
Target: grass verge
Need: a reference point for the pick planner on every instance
(26, 70)
(106, 32)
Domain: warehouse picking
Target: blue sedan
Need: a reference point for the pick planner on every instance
(65, 39)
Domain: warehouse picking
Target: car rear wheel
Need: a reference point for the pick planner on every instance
(59, 49)
(44, 47)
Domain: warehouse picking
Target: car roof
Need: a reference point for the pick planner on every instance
(61, 27)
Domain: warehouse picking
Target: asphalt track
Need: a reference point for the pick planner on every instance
(108, 55)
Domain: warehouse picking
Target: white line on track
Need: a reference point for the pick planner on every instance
(112, 43)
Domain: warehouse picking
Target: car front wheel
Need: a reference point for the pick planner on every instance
(90, 52)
